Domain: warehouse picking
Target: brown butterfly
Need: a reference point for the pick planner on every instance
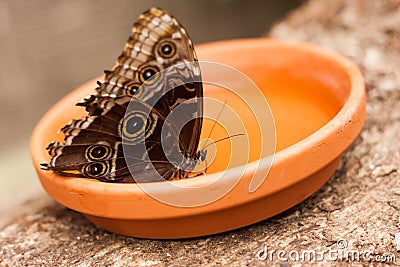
(127, 136)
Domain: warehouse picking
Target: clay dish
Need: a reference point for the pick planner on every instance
(317, 99)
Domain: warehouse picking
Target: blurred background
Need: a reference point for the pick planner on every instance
(48, 48)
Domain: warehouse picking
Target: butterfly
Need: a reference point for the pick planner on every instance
(131, 132)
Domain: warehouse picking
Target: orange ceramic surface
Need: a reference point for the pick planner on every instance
(317, 98)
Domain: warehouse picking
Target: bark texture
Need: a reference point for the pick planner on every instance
(359, 204)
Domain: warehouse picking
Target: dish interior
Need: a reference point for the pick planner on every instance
(304, 91)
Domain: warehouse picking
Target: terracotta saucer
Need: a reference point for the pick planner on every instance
(317, 99)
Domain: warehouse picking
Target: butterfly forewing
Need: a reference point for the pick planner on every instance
(157, 43)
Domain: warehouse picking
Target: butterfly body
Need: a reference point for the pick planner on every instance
(131, 132)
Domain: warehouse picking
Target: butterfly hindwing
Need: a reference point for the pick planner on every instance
(93, 146)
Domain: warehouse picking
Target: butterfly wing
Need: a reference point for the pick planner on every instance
(142, 76)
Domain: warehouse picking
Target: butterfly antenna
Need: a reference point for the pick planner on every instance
(222, 139)
(212, 128)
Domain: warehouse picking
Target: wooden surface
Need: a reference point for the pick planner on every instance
(359, 204)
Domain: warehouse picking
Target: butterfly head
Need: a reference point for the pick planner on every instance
(188, 164)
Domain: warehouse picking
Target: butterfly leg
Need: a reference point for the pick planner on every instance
(195, 174)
